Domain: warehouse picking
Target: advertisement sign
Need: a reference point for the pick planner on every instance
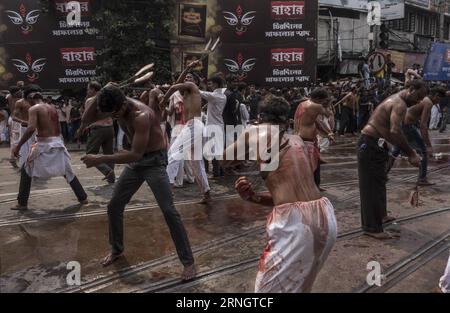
(437, 63)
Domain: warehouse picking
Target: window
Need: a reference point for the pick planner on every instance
(412, 22)
(419, 29)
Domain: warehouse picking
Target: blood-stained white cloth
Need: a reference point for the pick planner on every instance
(49, 158)
(444, 282)
(435, 117)
(188, 147)
(18, 131)
(4, 126)
(300, 237)
(14, 132)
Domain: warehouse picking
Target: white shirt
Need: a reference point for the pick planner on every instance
(216, 104)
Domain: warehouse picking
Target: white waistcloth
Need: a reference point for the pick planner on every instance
(435, 117)
(299, 238)
(49, 158)
(188, 146)
(444, 282)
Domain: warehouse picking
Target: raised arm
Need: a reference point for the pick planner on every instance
(189, 67)
(183, 87)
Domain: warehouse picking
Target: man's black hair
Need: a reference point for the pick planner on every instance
(417, 84)
(320, 93)
(110, 98)
(13, 89)
(216, 80)
(438, 91)
(32, 88)
(95, 85)
(275, 110)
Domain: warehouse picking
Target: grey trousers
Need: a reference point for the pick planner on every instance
(101, 137)
(151, 169)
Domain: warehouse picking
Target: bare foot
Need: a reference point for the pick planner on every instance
(189, 272)
(436, 290)
(19, 208)
(388, 219)
(110, 259)
(381, 236)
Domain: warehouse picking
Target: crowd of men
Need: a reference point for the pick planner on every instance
(157, 131)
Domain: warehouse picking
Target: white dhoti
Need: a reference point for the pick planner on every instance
(17, 133)
(188, 147)
(444, 282)
(184, 171)
(435, 117)
(299, 238)
(324, 142)
(49, 158)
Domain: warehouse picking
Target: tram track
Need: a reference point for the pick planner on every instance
(171, 284)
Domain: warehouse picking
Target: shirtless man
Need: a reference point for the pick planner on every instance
(146, 161)
(421, 142)
(48, 157)
(101, 134)
(348, 112)
(384, 124)
(189, 144)
(15, 94)
(301, 230)
(307, 124)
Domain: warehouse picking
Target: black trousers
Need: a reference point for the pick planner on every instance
(372, 165)
(346, 120)
(25, 187)
(151, 169)
(101, 137)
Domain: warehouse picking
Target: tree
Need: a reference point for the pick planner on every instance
(134, 33)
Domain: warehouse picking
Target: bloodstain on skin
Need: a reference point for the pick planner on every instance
(53, 116)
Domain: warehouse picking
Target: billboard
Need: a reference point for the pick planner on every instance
(392, 9)
(52, 66)
(270, 43)
(437, 63)
(42, 48)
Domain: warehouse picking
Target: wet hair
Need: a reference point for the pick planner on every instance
(216, 80)
(110, 98)
(417, 84)
(33, 88)
(319, 94)
(94, 85)
(275, 110)
(438, 91)
(13, 89)
(196, 77)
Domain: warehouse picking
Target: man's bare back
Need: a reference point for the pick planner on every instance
(414, 113)
(12, 102)
(47, 123)
(293, 180)
(140, 110)
(306, 122)
(21, 111)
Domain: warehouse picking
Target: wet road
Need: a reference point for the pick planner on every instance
(227, 236)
